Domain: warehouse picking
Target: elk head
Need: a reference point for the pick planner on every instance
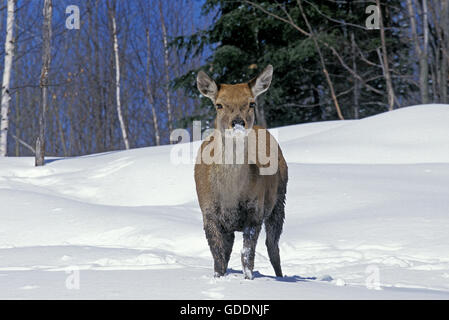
(235, 103)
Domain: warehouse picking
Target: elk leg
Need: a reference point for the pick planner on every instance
(220, 244)
(229, 242)
(273, 229)
(250, 236)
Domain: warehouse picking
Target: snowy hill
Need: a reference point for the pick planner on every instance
(366, 199)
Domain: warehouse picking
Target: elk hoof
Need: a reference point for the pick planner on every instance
(218, 274)
(248, 274)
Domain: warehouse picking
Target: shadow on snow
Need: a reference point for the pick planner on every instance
(257, 275)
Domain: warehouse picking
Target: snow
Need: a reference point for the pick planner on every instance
(366, 218)
(408, 135)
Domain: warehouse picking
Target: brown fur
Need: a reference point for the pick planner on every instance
(236, 197)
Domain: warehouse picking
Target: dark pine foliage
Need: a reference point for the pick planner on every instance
(243, 40)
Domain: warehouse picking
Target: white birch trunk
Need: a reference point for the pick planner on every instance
(150, 93)
(6, 97)
(166, 68)
(44, 82)
(117, 79)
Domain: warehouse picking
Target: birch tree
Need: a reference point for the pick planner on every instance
(150, 91)
(44, 81)
(111, 10)
(166, 68)
(6, 97)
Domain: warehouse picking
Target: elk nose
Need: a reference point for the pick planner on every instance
(238, 121)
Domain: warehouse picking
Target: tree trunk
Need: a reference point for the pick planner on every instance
(356, 92)
(18, 120)
(166, 68)
(423, 64)
(421, 53)
(6, 97)
(323, 64)
(260, 115)
(117, 76)
(445, 51)
(46, 60)
(150, 95)
(386, 67)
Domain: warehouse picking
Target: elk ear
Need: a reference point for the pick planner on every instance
(262, 82)
(206, 85)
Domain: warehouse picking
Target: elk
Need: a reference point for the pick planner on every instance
(240, 196)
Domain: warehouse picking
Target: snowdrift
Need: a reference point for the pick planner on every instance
(367, 207)
(418, 134)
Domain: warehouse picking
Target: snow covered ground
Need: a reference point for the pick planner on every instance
(367, 207)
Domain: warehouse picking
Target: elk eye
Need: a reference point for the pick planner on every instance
(219, 106)
(252, 104)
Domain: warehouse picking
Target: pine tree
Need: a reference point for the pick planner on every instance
(244, 39)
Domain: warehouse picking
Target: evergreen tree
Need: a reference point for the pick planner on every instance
(244, 39)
